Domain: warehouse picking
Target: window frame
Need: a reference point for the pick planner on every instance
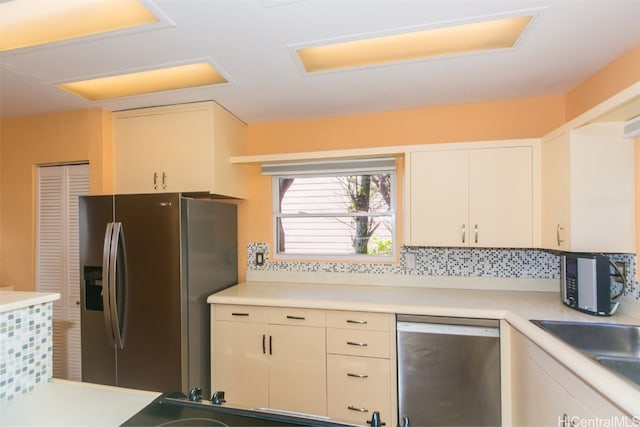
(333, 169)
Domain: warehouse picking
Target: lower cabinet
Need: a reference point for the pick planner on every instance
(545, 392)
(267, 357)
(339, 364)
(342, 364)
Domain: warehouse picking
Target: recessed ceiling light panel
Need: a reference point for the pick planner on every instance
(137, 83)
(26, 23)
(416, 45)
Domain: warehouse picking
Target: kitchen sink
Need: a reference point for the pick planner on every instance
(627, 366)
(614, 346)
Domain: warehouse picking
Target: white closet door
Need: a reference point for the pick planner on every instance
(57, 262)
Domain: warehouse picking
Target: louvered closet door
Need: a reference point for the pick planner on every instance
(57, 259)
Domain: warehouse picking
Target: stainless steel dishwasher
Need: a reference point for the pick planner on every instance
(448, 371)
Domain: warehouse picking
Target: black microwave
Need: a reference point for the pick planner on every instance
(586, 283)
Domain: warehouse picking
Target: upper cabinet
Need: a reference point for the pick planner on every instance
(587, 190)
(178, 148)
(480, 197)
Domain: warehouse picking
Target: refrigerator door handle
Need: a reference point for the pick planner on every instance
(106, 282)
(118, 290)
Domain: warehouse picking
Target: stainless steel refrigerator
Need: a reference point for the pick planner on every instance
(148, 263)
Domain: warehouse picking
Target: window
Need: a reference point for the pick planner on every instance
(342, 209)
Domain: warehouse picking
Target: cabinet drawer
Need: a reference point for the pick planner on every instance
(358, 343)
(358, 386)
(359, 320)
(242, 313)
(297, 316)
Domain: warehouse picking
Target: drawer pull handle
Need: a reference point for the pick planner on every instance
(359, 322)
(351, 374)
(353, 408)
(296, 317)
(240, 314)
(359, 344)
(560, 241)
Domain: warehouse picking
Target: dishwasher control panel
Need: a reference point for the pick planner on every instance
(439, 328)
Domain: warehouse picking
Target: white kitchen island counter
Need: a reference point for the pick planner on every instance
(69, 403)
(14, 300)
(515, 307)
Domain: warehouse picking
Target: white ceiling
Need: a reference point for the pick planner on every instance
(251, 41)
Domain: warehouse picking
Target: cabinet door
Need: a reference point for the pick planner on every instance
(555, 193)
(539, 400)
(545, 392)
(439, 198)
(241, 366)
(187, 159)
(297, 369)
(602, 189)
(501, 197)
(136, 143)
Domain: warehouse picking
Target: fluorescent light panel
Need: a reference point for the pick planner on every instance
(179, 77)
(458, 39)
(34, 22)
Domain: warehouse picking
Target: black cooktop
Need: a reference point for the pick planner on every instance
(175, 409)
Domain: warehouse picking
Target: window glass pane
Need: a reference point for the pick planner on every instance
(335, 235)
(335, 194)
(335, 215)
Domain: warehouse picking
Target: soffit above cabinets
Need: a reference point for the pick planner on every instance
(250, 42)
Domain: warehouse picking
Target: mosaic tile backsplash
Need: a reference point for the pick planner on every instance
(471, 262)
(26, 340)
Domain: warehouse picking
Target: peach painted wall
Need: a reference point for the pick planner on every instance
(611, 79)
(521, 118)
(38, 140)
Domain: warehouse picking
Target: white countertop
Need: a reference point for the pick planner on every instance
(69, 403)
(516, 307)
(13, 300)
